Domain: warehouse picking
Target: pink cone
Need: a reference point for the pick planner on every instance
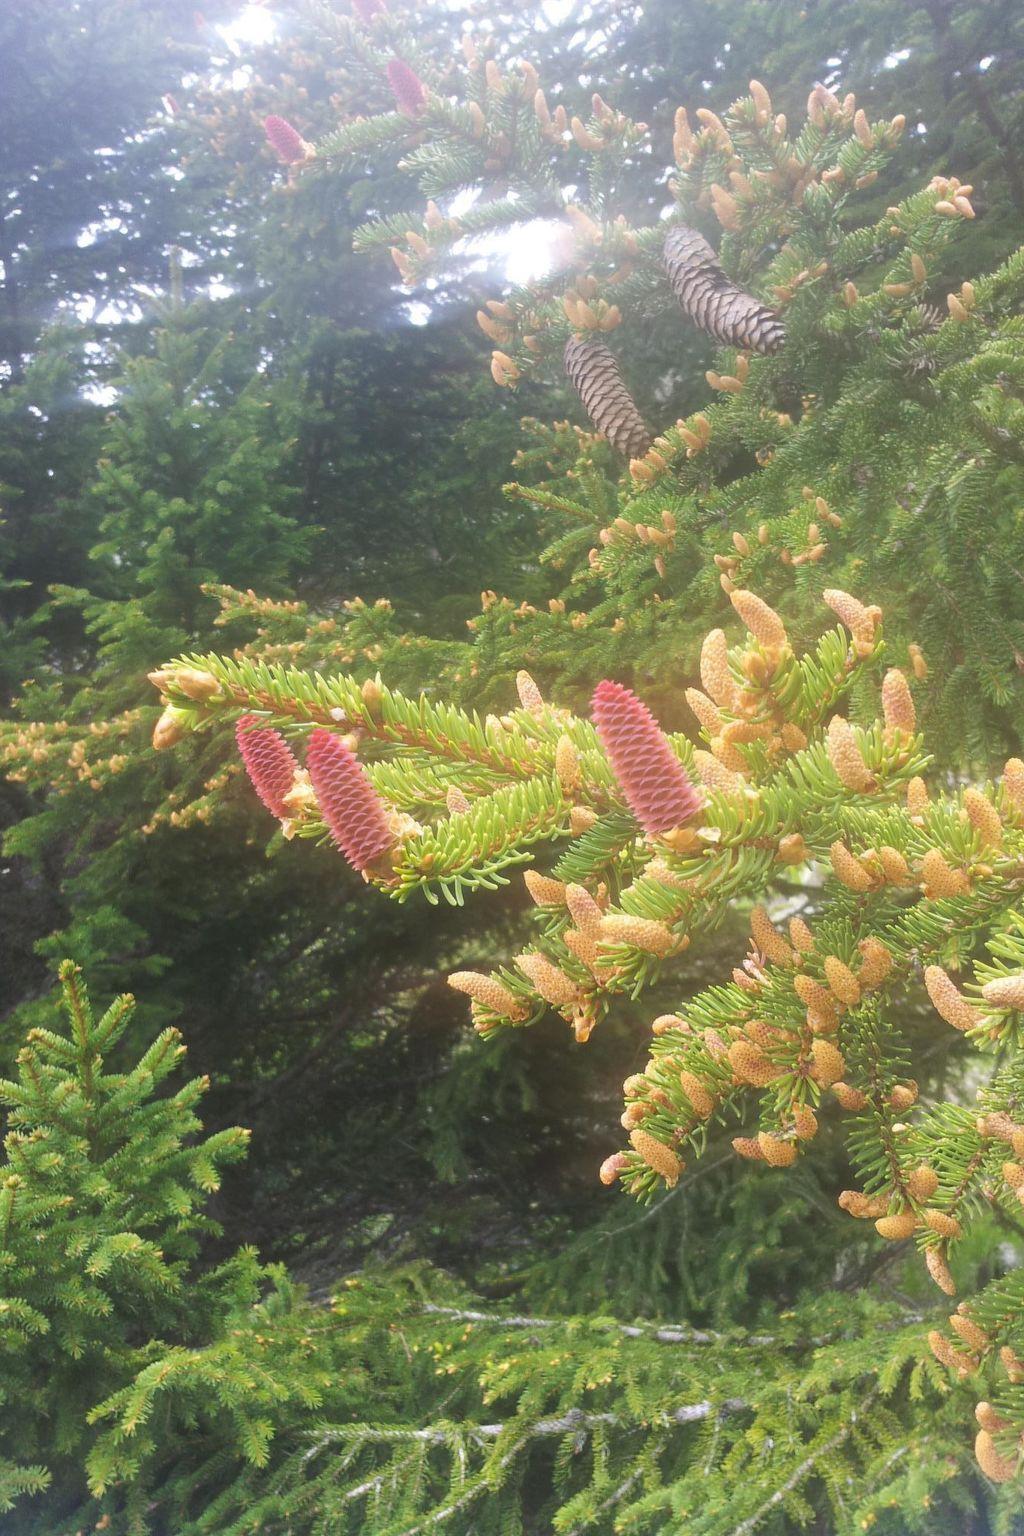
(653, 780)
(348, 801)
(410, 92)
(286, 141)
(269, 762)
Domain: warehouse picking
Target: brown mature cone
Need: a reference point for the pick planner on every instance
(712, 300)
(596, 379)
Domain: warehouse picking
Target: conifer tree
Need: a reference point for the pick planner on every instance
(801, 811)
(855, 337)
(660, 837)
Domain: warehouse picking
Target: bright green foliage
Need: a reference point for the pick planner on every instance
(102, 1215)
(813, 1015)
(586, 1423)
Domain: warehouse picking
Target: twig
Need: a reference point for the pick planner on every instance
(797, 1476)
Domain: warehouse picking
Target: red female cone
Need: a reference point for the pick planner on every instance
(269, 762)
(409, 90)
(651, 777)
(348, 801)
(286, 142)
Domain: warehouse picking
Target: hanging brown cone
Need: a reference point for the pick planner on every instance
(594, 374)
(712, 300)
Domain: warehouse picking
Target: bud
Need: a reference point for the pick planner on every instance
(940, 879)
(863, 1207)
(581, 819)
(715, 673)
(976, 1339)
(842, 982)
(946, 1355)
(269, 762)
(895, 1228)
(196, 684)
(705, 710)
(751, 1065)
(762, 101)
(793, 849)
(1001, 1469)
(504, 371)
(849, 1098)
(493, 329)
(612, 1167)
(748, 1147)
(845, 757)
(1012, 1364)
(938, 1268)
(567, 765)
(805, 1121)
(768, 939)
(801, 935)
(652, 779)
(858, 619)
(409, 91)
(922, 1182)
(983, 817)
(894, 865)
(812, 994)
(583, 909)
(488, 992)
(637, 932)
(998, 1124)
(876, 962)
(775, 1151)
(554, 986)
(286, 141)
(903, 1095)
(941, 1221)
(703, 1102)
(348, 802)
(947, 1001)
(529, 694)
(657, 1156)
(862, 129)
(1013, 783)
(897, 704)
(170, 728)
(456, 801)
(828, 1066)
(918, 662)
(544, 891)
(1005, 991)
(762, 622)
(1013, 1175)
